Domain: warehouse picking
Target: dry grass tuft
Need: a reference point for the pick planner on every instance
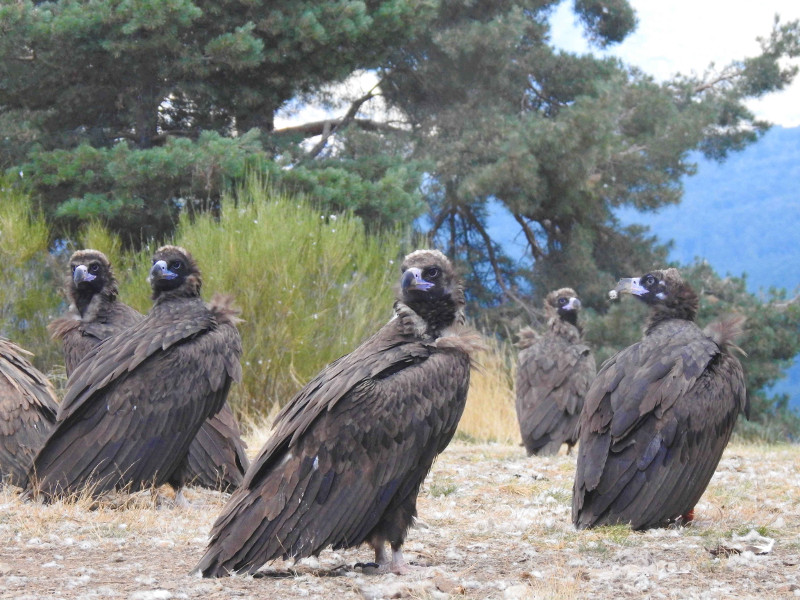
(490, 415)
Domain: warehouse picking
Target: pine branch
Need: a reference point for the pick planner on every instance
(530, 236)
(470, 217)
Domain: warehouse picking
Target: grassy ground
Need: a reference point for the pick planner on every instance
(493, 524)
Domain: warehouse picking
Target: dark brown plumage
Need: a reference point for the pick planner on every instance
(217, 457)
(94, 312)
(28, 408)
(658, 415)
(134, 404)
(553, 375)
(349, 452)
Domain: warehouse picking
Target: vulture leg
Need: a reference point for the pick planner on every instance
(178, 482)
(399, 565)
(180, 499)
(381, 564)
(378, 544)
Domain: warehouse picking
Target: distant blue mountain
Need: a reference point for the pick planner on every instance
(743, 217)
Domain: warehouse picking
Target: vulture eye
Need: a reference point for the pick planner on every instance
(94, 268)
(176, 265)
(562, 301)
(649, 280)
(432, 273)
(74, 267)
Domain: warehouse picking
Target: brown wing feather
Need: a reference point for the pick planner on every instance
(27, 412)
(135, 403)
(347, 456)
(553, 377)
(79, 337)
(655, 423)
(217, 458)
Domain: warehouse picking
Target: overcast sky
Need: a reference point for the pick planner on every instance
(681, 36)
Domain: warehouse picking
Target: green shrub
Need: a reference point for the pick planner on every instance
(30, 278)
(310, 286)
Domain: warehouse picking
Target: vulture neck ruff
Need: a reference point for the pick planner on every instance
(91, 305)
(190, 288)
(681, 303)
(429, 317)
(567, 329)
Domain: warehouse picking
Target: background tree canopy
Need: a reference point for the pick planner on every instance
(135, 112)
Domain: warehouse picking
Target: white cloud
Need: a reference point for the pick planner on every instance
(685, 36)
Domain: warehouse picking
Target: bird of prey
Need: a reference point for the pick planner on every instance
(28, 408)
(658, 415)
(349, 452)
(136, 402)
(553, 376)
(217, 457)
(94, 312)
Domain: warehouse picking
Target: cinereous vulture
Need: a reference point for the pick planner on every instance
(94, 312)
(554, 372)
(217, 457)
(658, 415)
(135, 403)
(28, 408)
(349, 452)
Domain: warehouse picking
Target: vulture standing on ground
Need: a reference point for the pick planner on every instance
(349, 452)
(136, 402)
(658, 414)
(28, 408)
(553, 376)
(217, 457)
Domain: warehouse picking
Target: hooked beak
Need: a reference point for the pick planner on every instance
(159, 270)
(573, 304)
(628, 285)
(412, 280)
(82, 274)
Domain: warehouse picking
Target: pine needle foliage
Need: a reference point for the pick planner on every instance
(28, 296)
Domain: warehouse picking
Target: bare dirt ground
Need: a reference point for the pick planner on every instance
(493, 524)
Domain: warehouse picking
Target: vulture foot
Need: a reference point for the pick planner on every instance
(180, 500)
(383, 564)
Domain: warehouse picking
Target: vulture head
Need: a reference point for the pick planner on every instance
(430, 287)
(90, 274)
(665, 291)
(174, 273)
(564, 304)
